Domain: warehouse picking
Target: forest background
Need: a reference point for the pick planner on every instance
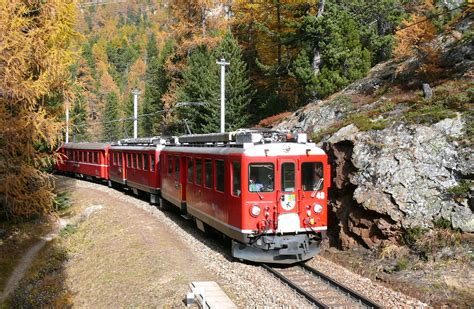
(89, 56)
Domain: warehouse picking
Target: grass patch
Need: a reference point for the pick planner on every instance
(69, 229)
(62, 201)
(461, 189)
(442, 223)
(43, 285)
(429, 114)
(402, 264)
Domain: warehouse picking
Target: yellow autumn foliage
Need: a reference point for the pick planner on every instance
(34, 61)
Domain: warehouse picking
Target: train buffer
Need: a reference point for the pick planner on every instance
(208, 295)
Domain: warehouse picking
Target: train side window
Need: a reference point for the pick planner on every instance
(152, 163)
(96, 157)
(198, 171)
(129, 160)
(91, 159)
(220, 175)
(146, 162)
(236, 179)
(176, 167)
(119, 163)
(208, 173)
(312, 176)
(170, 165)
(190, 170)
(139, 161)
(134, 160)
(288, 177)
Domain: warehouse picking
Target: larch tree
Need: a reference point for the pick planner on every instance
(34, 60)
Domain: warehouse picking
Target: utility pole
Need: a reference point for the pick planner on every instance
(135, 93)
(223, 64)
(67, 122)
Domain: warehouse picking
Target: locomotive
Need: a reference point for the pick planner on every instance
(265, 190)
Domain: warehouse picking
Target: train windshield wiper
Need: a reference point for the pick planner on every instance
(316, 189)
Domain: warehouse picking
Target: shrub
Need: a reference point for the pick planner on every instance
(402, 264)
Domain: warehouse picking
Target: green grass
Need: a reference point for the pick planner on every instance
(461, 189)
(402, 264)
(69, 229)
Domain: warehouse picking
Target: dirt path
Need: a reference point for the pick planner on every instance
(20, 269)
(122, 256)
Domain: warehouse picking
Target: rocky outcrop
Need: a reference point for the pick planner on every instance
(391, 180)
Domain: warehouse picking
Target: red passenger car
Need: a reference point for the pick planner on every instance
(87, 160)
(263, 189)
(134, 163)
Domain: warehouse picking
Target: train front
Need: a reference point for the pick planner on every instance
(284, 201)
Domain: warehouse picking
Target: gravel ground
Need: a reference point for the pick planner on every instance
(250, 285)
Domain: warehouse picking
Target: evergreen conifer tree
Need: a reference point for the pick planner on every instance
(110, 126)
(201, 84)
(238, 94)
(156, 84)
(78, 120)
(337, 36)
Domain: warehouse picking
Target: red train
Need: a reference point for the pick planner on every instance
(265, 190)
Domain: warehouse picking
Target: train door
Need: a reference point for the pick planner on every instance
(287, 196)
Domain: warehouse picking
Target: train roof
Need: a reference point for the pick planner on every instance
(87, 146)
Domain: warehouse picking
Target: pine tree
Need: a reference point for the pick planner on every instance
(201, 84)
(78, 119)
(336, 35)
(237, 84)
(156, 85)
(111, 130)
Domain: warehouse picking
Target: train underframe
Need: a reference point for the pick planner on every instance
(278, 249)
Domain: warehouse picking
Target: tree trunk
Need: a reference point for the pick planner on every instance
(316, 63)
(321, 8)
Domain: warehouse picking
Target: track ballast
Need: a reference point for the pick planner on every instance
(319, 289)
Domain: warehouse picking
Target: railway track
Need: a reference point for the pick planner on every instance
(319, 289)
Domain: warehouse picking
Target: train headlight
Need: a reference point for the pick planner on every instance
(255, 211)
(318, 208)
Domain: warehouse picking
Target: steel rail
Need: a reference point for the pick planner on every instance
(353, 294)
(364, 301)
(295, 287)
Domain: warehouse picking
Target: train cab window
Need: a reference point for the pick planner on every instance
(139, 161)
(261, 177)
(288, 177)
(170, 165)
(152, 163)
(198, 171)
(220, 170)
(236, 183)
(176, 167)
(146, 162)
(208, 173)
(312, 176)
(190, 170)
